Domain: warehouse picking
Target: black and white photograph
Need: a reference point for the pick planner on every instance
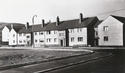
(62, 36)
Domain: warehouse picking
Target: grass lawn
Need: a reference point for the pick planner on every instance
(9, 57)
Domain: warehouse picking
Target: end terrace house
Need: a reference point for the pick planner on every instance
(81, 31)
(66, 33)
(10, 28)
(111, 31)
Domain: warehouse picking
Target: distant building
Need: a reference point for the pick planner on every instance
(5, 35)
(111, 31)
(6, 28)
(13, 34)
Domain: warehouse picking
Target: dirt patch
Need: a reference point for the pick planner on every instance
(10, 57)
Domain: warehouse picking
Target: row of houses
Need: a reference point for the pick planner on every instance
(85, 31)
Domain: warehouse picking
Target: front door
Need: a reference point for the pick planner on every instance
(61, 42)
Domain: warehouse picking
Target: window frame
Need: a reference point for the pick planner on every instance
(80, 39)
(105, 38)
(72, 39)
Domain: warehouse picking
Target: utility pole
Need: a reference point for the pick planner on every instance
(32, 34)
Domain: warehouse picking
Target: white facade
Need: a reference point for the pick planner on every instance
(5, 34)
(78, 36)
(110, 32)
(13, 37)
(49, 38)
(39, 39)
(24, 39)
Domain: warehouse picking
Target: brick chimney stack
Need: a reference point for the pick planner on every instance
(80, 18)
(43, 23)
(57, 21)
(27, 25)
(11, 26)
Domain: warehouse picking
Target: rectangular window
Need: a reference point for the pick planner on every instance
(28, 36)
(35, 33)
(20, 34)
(55, 39)
(13, 41)
(24, 34)
(49, 40)
(105, 28)
(20, 41)
(80, 39)
(36, 41)
(13, 35)
(40, 33)
(48, 32)
(54, 32)
(71, 30)
(41, 41)
(72, 39)
(24, 41)
(105, 38)
(79, 30)
(61, 34)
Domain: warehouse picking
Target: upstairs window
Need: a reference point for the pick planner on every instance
(28, 36)
(79, 30)
(20, 34)
(48, 32)
(40, 33)
(13, 35)
(80, 39)
(106, 38)
(24, 34)
(71, 30)
(105, 28)
(35, 33)
(54, 32)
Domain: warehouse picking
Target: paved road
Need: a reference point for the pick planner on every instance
(44, 67)
(113, 64)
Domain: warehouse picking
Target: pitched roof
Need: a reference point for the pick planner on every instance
(121, 19)
(16, 27)
(69, 24)
(98, 22)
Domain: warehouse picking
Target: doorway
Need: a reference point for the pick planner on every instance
(61, 42)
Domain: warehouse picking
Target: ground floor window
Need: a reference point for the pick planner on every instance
(13, 41)
(72, 39)
(106, 38)
(35, 40)
(55, 39)
(20, 41)
(49, 40)
(80, 39)
(41, 41)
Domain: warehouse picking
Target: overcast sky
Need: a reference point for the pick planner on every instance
(22, 11)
